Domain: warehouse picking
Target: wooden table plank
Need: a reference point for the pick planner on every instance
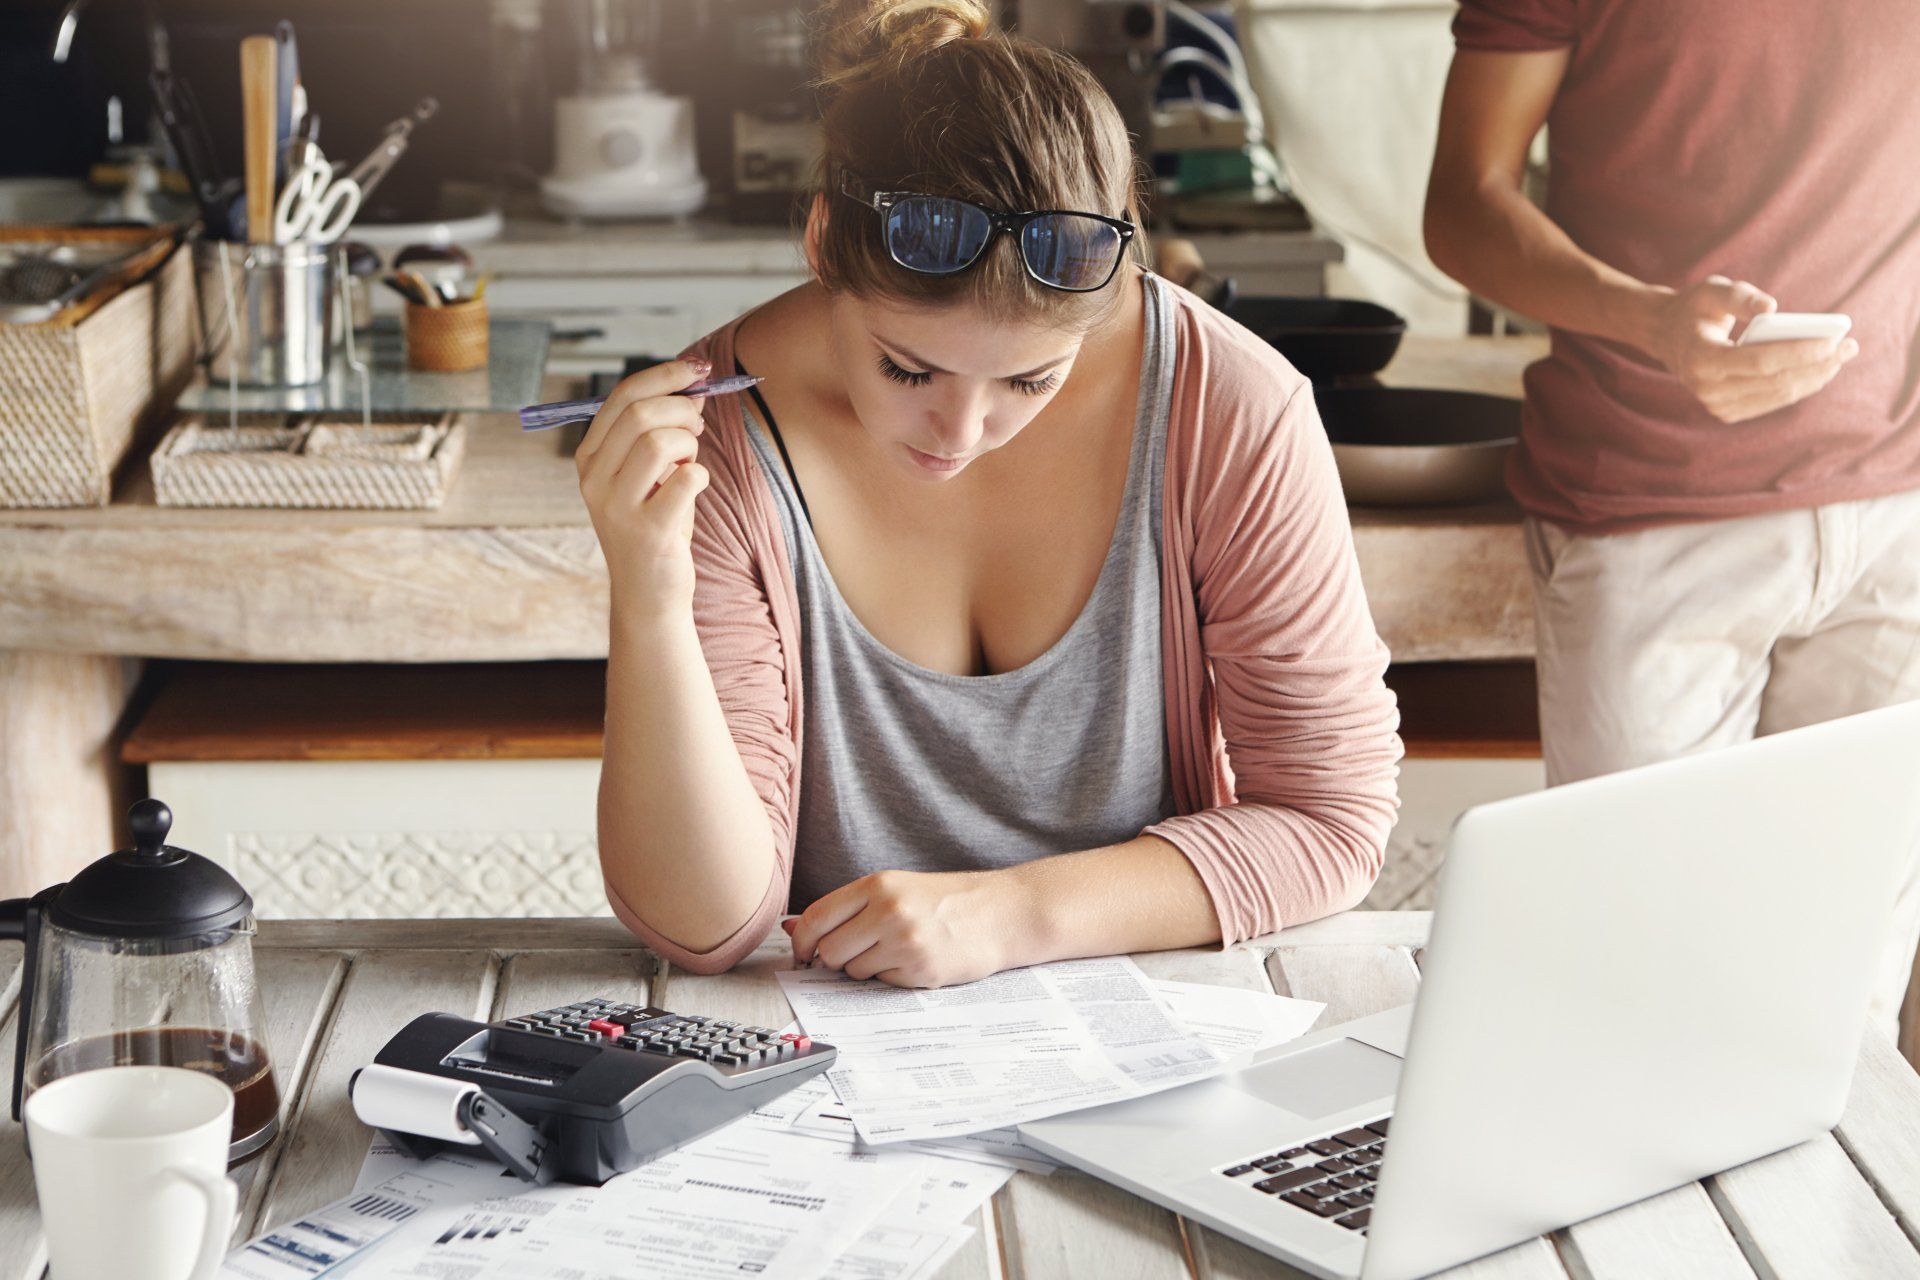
(1238, 967)
(1807, 1212)
(1068, 1225)
(1881, 1128)
(299, 990)
(1679, 1234)
(382, 992)
(19, 1212)
(540, 980)
(1353, 980)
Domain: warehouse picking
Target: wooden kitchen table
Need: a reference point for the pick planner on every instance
(1844, 1205)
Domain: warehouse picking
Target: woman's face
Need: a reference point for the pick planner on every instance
(938, 387)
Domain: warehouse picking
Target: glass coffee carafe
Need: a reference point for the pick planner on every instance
(145, 958)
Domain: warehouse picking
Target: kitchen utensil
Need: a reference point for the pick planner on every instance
(314, 205)
(180, 118)
(1406, 446)
(542, 417)
(266, 311)
(429, 296)
(369, 173)
(286, 82)
(144, 957)
(40, 279)
(130, 1167)
(259, 59)
(1324, 337)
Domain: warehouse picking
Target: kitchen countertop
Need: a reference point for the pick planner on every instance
(509, 569)
(534, 245)
(1841, 1204)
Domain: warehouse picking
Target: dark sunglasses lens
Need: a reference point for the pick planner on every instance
(1071, 251)
(935, 235)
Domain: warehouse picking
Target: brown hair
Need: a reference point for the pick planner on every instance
(928, 96)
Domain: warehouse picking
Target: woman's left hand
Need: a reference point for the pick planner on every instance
(914, 928)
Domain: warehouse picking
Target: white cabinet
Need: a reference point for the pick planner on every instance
(379, 839)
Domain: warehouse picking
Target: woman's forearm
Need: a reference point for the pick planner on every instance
(1143, 895)
(684, 840)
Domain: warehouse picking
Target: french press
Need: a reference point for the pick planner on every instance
(145, 958)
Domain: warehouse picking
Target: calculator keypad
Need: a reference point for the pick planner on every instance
(679, 1035)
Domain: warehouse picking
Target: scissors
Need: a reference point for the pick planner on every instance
(315, 205)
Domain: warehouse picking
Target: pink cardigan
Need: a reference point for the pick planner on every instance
(1281, 734)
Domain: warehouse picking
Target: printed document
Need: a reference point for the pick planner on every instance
(1020, 1045)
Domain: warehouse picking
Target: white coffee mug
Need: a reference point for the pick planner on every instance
(130, 1164)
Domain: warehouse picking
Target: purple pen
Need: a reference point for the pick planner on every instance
(539, 417)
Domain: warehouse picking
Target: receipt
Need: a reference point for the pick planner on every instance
(1020, 1045)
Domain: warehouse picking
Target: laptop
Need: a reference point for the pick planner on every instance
(1632, 982)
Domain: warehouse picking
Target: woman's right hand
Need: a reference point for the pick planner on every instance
(639, 480)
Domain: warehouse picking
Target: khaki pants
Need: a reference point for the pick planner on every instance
(1677, 639)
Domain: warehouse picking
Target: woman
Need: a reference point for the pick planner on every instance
(950, 631)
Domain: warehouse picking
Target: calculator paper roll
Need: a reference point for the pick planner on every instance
(412, 1102)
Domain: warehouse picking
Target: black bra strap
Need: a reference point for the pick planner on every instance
(773, 428)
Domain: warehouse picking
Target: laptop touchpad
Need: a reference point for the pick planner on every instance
(1321, 1081)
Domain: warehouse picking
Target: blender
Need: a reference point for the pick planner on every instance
(622, 149)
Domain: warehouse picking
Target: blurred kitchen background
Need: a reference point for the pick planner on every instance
(274, 547)
(1257, 116)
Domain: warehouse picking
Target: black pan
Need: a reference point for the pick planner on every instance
(1325, 337)
(1408, 446)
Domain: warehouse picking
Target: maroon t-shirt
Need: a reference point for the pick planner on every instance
(1774, 141)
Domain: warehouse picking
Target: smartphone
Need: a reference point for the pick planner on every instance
(1795, 326)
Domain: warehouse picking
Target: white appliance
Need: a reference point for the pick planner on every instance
(621, 148)
(1633, 982)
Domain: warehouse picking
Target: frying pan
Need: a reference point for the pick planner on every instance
(1324, 337)
(1407, 446)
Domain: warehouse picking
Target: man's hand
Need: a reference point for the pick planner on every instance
(1692, 336)
(913, 928)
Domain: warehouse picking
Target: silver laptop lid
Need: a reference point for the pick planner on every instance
(1683, 956)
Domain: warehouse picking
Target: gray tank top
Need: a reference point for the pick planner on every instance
(905, 767)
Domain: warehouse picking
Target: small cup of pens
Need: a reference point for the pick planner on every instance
(446, 315)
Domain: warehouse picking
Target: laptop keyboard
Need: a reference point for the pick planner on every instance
(1332, 1177)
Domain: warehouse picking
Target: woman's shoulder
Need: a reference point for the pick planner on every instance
(1234, 395)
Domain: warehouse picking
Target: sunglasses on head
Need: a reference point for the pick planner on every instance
(939, 235)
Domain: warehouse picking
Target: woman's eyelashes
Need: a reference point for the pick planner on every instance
(905, 377)
(920, 378)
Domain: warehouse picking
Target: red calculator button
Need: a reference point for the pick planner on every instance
(606, 1028)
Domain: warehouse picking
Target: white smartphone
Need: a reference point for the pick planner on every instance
(1795, 326)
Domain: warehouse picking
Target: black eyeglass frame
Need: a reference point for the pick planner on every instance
(998, 222)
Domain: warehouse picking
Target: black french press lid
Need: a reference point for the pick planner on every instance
(152, 890)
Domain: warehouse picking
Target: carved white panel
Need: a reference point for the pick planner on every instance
(414, 874)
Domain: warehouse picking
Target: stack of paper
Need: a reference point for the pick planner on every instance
(1021, 1045)
(795, 1191)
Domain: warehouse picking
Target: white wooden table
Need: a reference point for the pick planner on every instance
(1845, 1205)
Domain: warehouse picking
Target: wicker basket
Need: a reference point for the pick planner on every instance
(387, 466)
(76, 389)
(448, 339)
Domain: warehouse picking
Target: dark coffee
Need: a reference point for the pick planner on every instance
(232, 1057)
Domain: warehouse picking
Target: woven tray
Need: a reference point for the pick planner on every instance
(385, 466)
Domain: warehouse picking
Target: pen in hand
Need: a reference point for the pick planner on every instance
(539, 417)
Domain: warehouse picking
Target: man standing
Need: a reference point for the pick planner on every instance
(1725, 539)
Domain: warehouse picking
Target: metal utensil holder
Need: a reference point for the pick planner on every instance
(266, 311)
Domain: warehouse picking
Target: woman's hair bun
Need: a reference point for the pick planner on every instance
(853, 37)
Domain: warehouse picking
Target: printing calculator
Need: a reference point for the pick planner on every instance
(578, 1093)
